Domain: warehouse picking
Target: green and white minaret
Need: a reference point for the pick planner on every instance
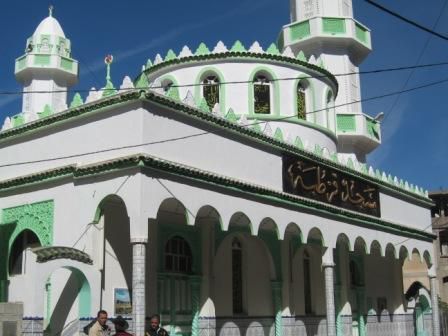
(326, 30)
(46, 70)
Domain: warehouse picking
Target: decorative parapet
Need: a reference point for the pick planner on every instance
(327, 29)
(238, 50)
(239, 124)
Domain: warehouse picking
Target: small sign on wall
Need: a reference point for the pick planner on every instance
(122, 302)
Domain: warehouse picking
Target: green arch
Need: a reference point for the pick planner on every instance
(312, 92)
(222, 88)
(172, 79)
(276, 93)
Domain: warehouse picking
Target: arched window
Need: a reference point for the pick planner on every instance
(301, 100)
(237, 276)
(307, 282)
(262, 95)
(166, 85)
(178, 257)
(17, 261)
(210, 90)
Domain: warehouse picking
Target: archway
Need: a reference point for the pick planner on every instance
(111, 251)
(68, 299)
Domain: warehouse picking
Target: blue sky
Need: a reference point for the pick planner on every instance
(414, 132)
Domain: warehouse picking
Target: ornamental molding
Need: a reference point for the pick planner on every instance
(148, 164)
(386, 182)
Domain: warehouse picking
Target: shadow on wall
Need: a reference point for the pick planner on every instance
(74, 286)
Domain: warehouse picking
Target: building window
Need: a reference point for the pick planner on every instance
(262, 95)
(210, 90)
(301, 101)
(237, 276)
(178, 257)
(167, 85)
(443, 237)
(17, 258)
(307, 282)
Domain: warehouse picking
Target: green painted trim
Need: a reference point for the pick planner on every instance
(263, 193)
(346, 123)
(361, 33)
(175, 87)
(222, 88)
(299, 30)
(334, 26)
(275, 104)
(67, 64)
(21, 62)
(36, 217)
(42, 60)
(133, 96)
(311, 94)
(272, 58)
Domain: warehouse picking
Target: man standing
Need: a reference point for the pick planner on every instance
(155, 329)
(100, 328)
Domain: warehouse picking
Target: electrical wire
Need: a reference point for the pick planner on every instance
(376, 71)
(411, 22)
(204, 133)
(422, 52)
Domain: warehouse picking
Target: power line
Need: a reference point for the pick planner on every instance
(413, 23)
(375, 71)
(397, 98)
(204, 133)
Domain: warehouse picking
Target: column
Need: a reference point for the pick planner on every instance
(277, 302)
(434, 302)
(195, 284)
(138, 285)
(328, 265)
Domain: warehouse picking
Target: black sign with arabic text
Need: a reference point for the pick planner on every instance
(305, 178)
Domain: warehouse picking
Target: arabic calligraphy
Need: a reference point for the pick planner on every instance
(305, 178)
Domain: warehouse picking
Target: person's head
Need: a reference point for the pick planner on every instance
(154, 322)
(101, 317)
(120, 323)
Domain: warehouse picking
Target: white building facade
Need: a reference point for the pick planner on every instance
(225, 188)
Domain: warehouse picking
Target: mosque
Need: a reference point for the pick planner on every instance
(231, 210)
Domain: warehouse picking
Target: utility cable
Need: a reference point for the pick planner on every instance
(429, 65)
(412, 23)
(422, 52)
(204, 133)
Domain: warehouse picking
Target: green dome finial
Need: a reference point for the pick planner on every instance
(50, 10)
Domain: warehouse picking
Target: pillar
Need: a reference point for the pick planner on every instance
(328, 266)
(434, 302)
(195, 284)
(138, 285)
(277, 302)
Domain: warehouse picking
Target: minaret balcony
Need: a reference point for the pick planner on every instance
(307, 35)
(359, 128)
(40, 62)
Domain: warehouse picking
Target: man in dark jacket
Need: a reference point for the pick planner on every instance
(121, 325)
(155, 329)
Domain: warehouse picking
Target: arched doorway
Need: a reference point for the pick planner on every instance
(17, 255)
(67, 299)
